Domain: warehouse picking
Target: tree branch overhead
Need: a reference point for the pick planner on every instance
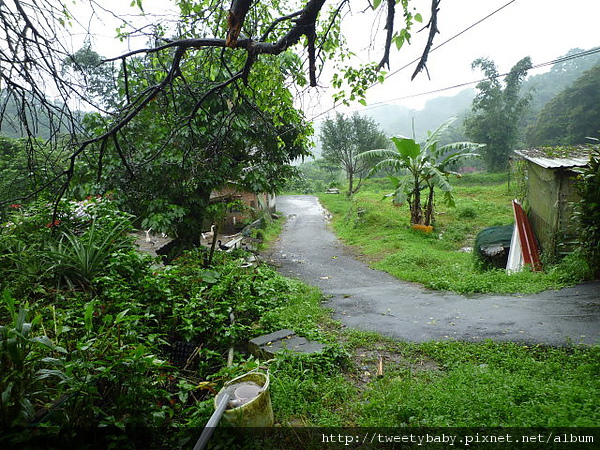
(34, 74)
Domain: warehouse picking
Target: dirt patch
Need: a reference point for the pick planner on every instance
(369, 363)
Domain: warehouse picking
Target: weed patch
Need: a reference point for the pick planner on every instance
(96, 354)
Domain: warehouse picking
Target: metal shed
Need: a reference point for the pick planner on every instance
(551, 192)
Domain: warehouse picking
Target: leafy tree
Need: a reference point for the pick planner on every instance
(571, 116)
(343, 139)
(205, 101)
(427, 165)
(97, 80)
(315, 176)
(497, 110)
(165, 172)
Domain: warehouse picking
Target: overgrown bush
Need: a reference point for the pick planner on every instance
(68, 243)
(587, 211)
(23, 352)
(88, 326)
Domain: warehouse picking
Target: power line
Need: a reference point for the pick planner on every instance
(432, 50)
(452, 38)
(468, 83)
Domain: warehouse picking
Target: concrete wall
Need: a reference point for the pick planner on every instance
(550, 193)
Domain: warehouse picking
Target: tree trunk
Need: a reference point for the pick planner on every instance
(190, 227)
(416, 211)
(350, 183)
(429, 207)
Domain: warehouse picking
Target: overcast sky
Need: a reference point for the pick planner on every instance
(541, 29)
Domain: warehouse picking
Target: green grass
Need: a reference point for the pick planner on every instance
(450, 384)
(122, 325)
(443, 259)
(438, 384)
(489, 384)
(271, 231)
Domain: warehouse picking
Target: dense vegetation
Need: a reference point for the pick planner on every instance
(587, 211)
(398, 120)
(96, 336)
(89, 325)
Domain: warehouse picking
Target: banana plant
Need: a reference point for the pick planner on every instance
(427, 165)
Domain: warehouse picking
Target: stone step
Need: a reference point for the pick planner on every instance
(269, 345)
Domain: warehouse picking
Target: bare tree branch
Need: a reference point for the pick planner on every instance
(433, 30)
(276, 22)
(389, 26)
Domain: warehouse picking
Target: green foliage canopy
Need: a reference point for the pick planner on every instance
(496, 111)
(232, 43)
(206, 101)
(167, 160)
(568, 67)
(344, 138)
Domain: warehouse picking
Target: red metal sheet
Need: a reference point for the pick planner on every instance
(529, 246)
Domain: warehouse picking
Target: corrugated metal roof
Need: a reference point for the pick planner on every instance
(555, 157)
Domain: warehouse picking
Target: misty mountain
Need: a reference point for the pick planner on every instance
(544, 87)
(20, 118)
(398, 120)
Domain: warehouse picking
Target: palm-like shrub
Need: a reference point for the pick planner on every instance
(428, 167)
(78, 259)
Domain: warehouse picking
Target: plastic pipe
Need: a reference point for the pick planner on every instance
(212, 423)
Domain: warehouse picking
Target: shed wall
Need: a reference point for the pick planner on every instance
(551, 193)
(542, 199)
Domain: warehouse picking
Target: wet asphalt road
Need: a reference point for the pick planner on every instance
(368, 299)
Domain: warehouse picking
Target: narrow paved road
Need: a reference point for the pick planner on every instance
(369, 299)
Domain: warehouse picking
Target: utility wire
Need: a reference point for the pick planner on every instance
(450, 39)
(468, 83)
(432, 50)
